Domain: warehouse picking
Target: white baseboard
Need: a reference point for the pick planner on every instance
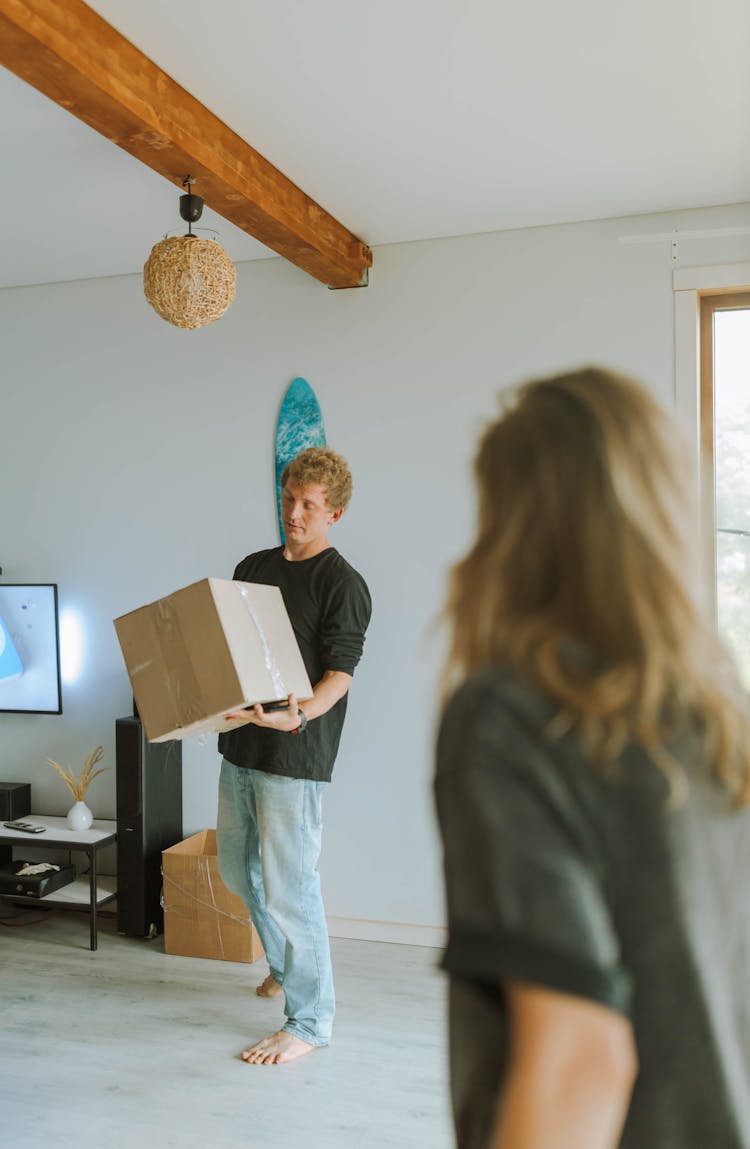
(400, 932)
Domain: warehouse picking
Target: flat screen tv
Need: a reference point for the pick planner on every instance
(29, 649)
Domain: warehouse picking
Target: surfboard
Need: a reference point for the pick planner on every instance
(299, 426)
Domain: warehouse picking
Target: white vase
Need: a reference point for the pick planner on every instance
(79, 817)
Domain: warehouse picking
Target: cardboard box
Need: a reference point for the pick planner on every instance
(201, 917)
(214, 646)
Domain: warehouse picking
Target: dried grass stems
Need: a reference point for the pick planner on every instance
(78, 786)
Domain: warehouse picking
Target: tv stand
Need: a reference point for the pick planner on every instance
(94, 893)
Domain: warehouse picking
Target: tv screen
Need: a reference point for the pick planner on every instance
(29, 649)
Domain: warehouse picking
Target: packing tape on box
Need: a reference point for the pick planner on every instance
(182, 684)
(183, 911)
(268, 658)
(188, 895)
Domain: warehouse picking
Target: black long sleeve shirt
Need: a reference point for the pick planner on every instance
(329, 607)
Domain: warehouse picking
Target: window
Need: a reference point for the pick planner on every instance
(725, 448)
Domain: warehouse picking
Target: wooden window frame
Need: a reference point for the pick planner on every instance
(710, 304)
(698, 294)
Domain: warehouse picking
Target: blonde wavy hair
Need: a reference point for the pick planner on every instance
(325, 466)
(582, 575)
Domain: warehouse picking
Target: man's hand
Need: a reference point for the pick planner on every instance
(326, 693)
(287, 720)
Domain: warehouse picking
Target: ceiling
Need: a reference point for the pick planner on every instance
(406, 119)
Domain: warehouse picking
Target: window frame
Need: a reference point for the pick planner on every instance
(709, 304)
(699, 293)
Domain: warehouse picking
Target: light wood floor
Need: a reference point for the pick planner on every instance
(129, 1048)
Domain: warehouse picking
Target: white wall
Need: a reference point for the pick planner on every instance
(137, 458)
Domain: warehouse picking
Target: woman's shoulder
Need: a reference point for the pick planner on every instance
(492, 717)
(494, 690)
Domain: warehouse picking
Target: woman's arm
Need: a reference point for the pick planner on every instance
(570, 1076)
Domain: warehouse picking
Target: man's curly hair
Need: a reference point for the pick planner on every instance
(325, 466)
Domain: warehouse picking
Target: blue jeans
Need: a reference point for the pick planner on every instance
(268, 842)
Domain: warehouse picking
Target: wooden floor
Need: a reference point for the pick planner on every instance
(130, 1048)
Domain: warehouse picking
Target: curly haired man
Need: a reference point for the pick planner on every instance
(277, 764)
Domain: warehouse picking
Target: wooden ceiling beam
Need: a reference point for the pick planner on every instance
(68, 52)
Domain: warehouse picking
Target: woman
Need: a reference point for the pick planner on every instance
(592, 782)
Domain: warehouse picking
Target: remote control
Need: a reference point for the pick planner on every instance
(27, 827)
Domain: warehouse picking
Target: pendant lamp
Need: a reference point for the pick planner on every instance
(189, 281)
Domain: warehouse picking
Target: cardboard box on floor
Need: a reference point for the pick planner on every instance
(201, 917)
(214, 646)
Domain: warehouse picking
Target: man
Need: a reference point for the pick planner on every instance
(277, 764)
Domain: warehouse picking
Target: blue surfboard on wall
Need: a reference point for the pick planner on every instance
(299, 426)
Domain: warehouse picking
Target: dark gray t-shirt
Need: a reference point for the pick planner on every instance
(585, 881)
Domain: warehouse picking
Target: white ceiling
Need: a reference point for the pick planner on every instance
(407, 119)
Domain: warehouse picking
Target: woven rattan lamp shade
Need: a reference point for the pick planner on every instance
(189, 281)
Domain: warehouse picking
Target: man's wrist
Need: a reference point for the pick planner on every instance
(302, 722)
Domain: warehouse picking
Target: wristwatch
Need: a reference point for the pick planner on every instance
(302, 722)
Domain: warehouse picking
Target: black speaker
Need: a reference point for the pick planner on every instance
(15, 800)
(149, 820)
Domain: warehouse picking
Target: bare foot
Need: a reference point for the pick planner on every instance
(268, 988)
(277, 1048)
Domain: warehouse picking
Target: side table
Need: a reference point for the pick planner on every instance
(57, 836)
